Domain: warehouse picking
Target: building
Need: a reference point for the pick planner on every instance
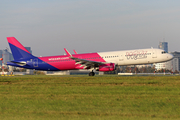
(6, 55)
(163, 45)
(174, 64)
(177, 55)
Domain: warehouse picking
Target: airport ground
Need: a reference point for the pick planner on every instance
(80, 97)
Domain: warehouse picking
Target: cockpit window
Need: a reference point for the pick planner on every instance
(163, 52)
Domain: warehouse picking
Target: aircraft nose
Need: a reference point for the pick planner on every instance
(170, 56)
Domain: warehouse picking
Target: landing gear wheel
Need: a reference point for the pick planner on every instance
(91, 74)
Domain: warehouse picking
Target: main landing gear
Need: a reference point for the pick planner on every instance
(91, 73)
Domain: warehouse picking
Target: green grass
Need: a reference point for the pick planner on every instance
(82, 97)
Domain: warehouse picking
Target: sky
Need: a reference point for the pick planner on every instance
(49, 26)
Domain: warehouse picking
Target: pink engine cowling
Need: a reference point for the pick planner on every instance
(107, 67)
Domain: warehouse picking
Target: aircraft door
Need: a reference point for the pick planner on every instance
(154, 54)
(121, 59)
(35, 62)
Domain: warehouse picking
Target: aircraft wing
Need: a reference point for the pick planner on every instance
(83, 62)
(87, 63)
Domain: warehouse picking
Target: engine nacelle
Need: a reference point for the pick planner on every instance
(107, 67)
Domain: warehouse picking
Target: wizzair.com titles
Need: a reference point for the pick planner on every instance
(137, 55)
(59, 58)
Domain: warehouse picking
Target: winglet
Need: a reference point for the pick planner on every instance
(75, 52)
(67, 52)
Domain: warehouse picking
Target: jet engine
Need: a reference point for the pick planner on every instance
(106, 67)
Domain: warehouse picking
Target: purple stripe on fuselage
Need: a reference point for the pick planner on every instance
(34, 63)
(38, 64)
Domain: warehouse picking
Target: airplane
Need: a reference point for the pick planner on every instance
(100, 61)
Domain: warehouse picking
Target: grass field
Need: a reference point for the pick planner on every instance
(82, 97)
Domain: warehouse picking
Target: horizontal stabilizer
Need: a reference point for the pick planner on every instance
(19, 63)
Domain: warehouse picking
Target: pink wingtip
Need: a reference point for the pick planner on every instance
(75, 52)
(67, 52)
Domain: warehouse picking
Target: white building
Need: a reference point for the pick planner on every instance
(173, 65)
(160, 66)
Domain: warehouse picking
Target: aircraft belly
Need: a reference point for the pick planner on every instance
(132, 61)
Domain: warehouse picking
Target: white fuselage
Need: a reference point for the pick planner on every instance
(135, 57)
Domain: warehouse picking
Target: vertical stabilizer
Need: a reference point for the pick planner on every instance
(18, 50)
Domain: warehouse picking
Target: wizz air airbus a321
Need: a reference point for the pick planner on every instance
(101, 61)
